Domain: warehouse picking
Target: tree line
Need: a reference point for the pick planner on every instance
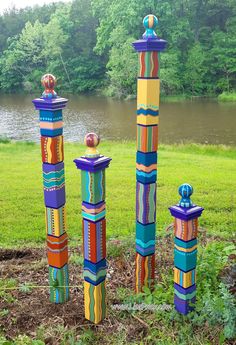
(87, 45)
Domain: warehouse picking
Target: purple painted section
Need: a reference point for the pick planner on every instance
(150, 45)
(182, 306)
(52, 167)
(186, 213)
(55, 199)
(86, 236)
(92, 164)
(50, 104)
(185, 291)
(91, 206)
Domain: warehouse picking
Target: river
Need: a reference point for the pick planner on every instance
(198, 121)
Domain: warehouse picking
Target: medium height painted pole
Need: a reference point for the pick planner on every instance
(51, 129)
(148, 94)
(185, 253)
(92, 167)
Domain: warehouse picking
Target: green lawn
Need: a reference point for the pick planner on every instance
(210, 170)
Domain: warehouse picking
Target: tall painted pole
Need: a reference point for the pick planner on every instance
(51, 129)
(185, 252)
(92, 167)
(148, 94)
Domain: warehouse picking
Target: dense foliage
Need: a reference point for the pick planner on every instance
(87, 45)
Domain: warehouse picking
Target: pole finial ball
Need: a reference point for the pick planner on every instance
(150, 23)
(185, 191)
(48, 81)
(92, 140)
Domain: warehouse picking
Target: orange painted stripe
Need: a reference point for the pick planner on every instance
(146, 169)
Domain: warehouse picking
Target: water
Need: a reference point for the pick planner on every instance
(200, 121)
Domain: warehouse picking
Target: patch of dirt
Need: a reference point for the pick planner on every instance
(32, 308)
(9, 254)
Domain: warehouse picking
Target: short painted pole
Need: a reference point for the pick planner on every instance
(185, 252)
(51, 129)
(147, 146)
(92, 167)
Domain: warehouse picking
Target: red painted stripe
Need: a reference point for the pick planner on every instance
(156, 63)
(142, 72)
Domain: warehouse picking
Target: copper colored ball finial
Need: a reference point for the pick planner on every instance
(92, 140)
(48, 82)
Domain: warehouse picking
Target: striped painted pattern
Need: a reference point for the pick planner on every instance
(54, 180)
(145, 203)
(55, 221)
(94, 238)
(148, 64)
(50, 116)
(57, 250)
(93, 212)
(186, 230)
(184, 279)
(52, 149)
(144, 272)
(93, 186)
(147, 138)
(59, 284)
(95, 301)
(95, 273)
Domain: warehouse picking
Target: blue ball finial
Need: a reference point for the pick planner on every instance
(150, 23)
(185, 191)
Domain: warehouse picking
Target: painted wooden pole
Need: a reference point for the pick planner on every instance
(51, 129)
(92, 167)
(147, 145)
(185, 252)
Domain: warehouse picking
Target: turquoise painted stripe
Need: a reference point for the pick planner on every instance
(184, 244)
(185, 297)
(94, 217)
(145, 245)
(142, 173)
(53, 174)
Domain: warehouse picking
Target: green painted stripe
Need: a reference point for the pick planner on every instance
(92, 303)
(94, 277)
(185, 297)
(103, 302)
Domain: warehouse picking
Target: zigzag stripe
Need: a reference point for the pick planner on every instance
(145, 251)
(145, 168)
(53, 184)
(185, 297)
(53, 173)
(94, 277)
(57, 250)
(185, 250)
(145, 245)
(147, 111)
(143, 173)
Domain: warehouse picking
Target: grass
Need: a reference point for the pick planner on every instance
(212, 172)
(227, 97)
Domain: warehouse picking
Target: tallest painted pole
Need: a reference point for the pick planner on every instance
(148, 95)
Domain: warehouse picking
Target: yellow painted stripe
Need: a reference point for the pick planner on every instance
(137, 272)
(147, 120)
(186, 250)
(49, 141)
(60, 147)
(146, 272)
(56, 222)
(86, 300)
